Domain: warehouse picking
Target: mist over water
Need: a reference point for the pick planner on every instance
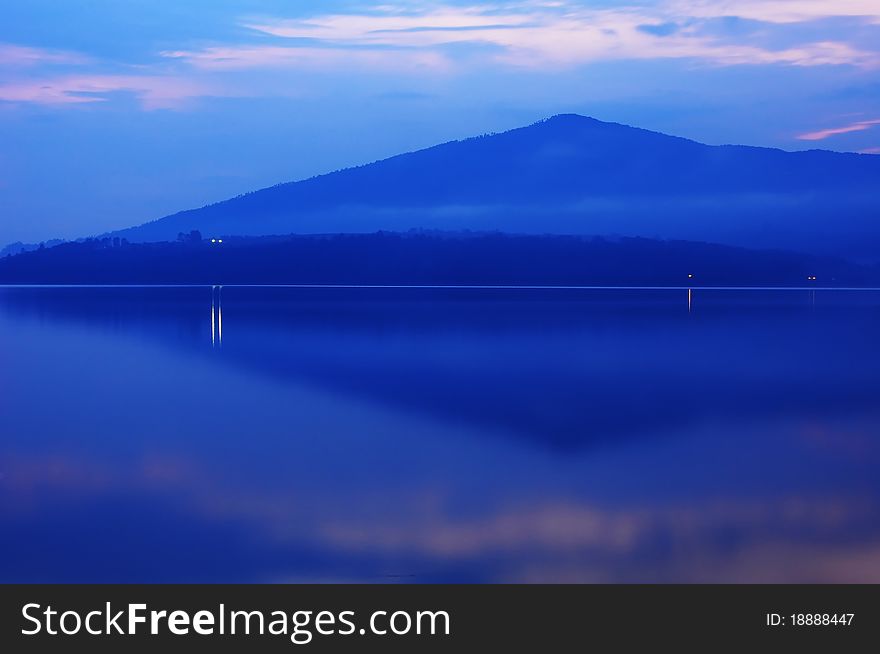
(282, 434)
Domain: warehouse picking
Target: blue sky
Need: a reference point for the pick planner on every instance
(114, 112)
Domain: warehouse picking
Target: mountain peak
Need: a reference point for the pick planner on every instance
(571, 117)
(589, 127)
(572, 120)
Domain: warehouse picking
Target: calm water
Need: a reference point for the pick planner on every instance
(438, 435)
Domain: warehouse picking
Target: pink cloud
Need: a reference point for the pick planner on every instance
(153, 91)
(246, 57)
(20, 56)
(540, 34)
(412, 39)
(859, 126)
(777, 11)
(870, 151)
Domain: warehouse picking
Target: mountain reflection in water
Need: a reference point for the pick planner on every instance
(283, 434)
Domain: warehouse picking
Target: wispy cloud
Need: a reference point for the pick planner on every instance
(858, 126)
(21, 56)
(394, 27)
(439, 39)
(38, 85)
(307, 58)
(777, 11)
(153, 91)
(542, 34)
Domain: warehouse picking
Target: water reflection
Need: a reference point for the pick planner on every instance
(438, 436)
(216, 323)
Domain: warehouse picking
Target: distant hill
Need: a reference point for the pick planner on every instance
(576, 175)
(428, 259)
(19, 247)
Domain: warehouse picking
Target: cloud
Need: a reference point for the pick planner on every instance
(870, 151)
(439, 39)
(307, 58)
(153, 91)
(778, 11)
(559, 34)
(20, 56)
(859, 126)
(394, 28)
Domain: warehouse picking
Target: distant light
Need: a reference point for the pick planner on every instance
(219, 240)
(213, 240)
(690, 276)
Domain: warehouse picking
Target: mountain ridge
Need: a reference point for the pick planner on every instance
(573, 174)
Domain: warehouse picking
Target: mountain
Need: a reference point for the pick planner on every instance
(575, 175)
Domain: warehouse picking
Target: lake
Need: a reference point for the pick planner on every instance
(439, 435)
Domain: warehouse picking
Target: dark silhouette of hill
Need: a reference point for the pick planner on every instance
(18, 247)
(427, 259)
(576, 175)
